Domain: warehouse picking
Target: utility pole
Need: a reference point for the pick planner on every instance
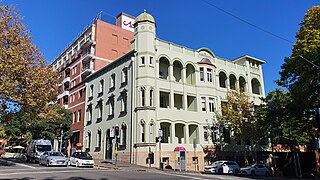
(61, 136)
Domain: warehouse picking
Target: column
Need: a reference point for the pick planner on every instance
(184, 75)
(171, 72)
(186, 134)
(173, 133)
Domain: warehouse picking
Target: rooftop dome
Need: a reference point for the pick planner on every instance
(144, 17)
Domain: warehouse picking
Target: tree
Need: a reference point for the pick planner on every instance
(27, 84)
(25, 80)
(300, 73)
(238, 117)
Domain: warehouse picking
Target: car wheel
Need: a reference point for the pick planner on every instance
(47, 164)
(220, 171)
(267, 173)
(77, 164)
(236, 171)
(253, 173)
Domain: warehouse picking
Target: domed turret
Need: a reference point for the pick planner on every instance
(144, 17)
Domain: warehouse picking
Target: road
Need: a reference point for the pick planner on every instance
(26, 171)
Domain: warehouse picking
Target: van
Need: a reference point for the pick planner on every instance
(36, 148)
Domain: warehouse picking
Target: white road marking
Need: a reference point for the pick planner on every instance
(24, 165)
(45, 172)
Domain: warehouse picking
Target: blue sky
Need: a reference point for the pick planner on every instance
(191, 23)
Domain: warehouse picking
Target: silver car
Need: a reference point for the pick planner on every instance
(53, 158)
(256, 169)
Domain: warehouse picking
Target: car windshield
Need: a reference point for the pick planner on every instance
(217, 163)
(43, 148)
(55, 154)
(84, 156)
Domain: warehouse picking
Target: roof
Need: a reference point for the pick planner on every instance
(144, 17)
(249, 57)
(206, 61)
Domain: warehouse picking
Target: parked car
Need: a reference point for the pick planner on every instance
(221, 167)
(256, 169)
(53, 158)
(81, 159)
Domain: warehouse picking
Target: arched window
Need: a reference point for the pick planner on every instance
(142, 130)
(151, 97)
(164, 68)
(123, 134)
(233, 81)
(190, 70)
(98, 139)
(256, 88)
(151, 137)
(177, 71)
(242, 84)
(143, 97)
(222, 80)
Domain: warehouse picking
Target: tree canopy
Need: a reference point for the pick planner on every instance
(27, 84)
(238, 117)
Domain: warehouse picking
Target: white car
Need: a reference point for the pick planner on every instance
(53, 158)
(221, 167)
(81, 159)
(256, 169)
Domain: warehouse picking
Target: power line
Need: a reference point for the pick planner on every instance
(247, 22)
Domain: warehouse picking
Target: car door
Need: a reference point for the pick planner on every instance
(260, 169)
(72, 159)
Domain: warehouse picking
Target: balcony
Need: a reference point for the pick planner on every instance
(87, 69)
(65, 106)
(67, 79)
(87, 44)
(65, 93)
(86, 57)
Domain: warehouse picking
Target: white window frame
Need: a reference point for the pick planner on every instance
(201, 74)
(209, 75)
(203, 104)
(211, 104)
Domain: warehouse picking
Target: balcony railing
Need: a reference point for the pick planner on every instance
(65, 93)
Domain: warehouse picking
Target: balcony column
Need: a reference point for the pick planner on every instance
(184, 75)
(173, 133)
(171, 72)
(185, 101)
(186, 134)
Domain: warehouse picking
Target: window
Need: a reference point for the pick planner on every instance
(111, 105)
(73, 97)
(100, 107)
(101, 86)
(203, 103)
(124, 102)
(91, 91)
(151, 97)
(142, 97)
(74, 117)
(89, 114)
(98, 139)
(211, 104)
(124, 75)
(209, 75)
(75, 69)
(69, 54)
(201, 74)
(142, 132)
(151, 60)
(80, 94)
(124, 134)
(205, 133)
(79, 115)
(89, 140)
(112, 81)
(151, 137)
(142, 60)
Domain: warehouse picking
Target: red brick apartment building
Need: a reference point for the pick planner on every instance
(95, 47)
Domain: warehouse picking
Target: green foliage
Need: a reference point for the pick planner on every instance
(302, 78)
(238, 117)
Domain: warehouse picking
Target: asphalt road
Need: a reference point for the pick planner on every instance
(26, 171)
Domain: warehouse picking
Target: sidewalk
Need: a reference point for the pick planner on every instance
(110, 164)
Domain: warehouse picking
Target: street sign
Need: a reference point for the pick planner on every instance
(112, 132)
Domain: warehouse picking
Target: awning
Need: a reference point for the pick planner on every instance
(179, 148)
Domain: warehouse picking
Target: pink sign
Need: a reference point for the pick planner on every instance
(179, 148)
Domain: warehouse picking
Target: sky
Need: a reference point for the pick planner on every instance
(216, 24)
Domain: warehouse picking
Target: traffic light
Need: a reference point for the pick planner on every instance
(116, 129)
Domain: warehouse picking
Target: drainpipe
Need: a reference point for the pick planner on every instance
(131, 121)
